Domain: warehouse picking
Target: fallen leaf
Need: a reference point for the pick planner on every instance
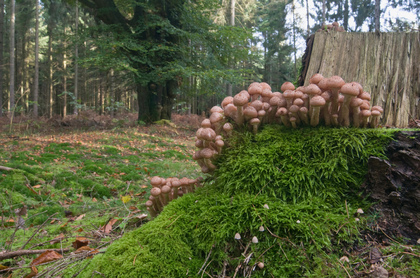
(30, 188)
(86, 249)
(37, 186)
(144, 186)
(94, 200)
(80, 216)
(133, 207)
(108, 227)
(58, 238)
(80, 242)
(47, 256)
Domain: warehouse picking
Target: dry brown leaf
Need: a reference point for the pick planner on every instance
(94, 200)
(80, 242)
(37, 186)
(47, 256)
(108, 227)
(80, 216)
(59, 238)
(64, 225)
(30, 188)
(133, 207)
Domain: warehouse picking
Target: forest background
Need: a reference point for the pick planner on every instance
(154, 57)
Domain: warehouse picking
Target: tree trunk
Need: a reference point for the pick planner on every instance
(12, 57)
(155, 101)
(377, 15)
(308, 30)
(36, 77)
(1, 55)
(346, 15)
(64, 76)
(50, 72)
(323, 13)
(76, 67)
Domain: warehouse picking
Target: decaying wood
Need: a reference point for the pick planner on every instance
(7, 255)
(5, 168)
(386, 64)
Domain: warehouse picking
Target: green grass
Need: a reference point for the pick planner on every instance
(82, 173)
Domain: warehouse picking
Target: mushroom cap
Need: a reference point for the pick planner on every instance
(287, 86)
(267, 93)
(358, 85)
(298, 102)
(377, 108)
(255, 89)
(356, 102)
(317, 101)
(375, 113)
(207, 153)
(323, 84)
(265, 85)
(365, 105)
(245, 92)
(257, 104)
(199, 143)
(303, 110)
(216, 109)
(156, 181)
(350, 90)
(274, 101)
(240, 99)
(230, 111)
(313, 90)
(254, 121)
(289, 94)
(206, 123)
(335, 82)
(227, 127)
(366, 113)
(365, 96)
(227, 100)
(216, 117)
(316, 78)
(294, 108)
(176, 184)
(220, 143)
(277, 94)
(250, 112)
(301, 89)
(298, 94)
(149, 203)
(282, 111)
(155, 191)
(207, 134)
(165, 189)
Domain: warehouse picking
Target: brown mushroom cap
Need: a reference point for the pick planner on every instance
(240, 99)
(206, 123)
(350, 90)
(377, 108)
(317, 101)
(207, 134)
(255, 89)
(265, 85)
(287, 86)
(313, 90)
(227, 100)
(250, 112)
(156, 181)
(316, 78)
(335, 82)
(257, 104)
(155, 191)
(216, 109)
(207, 153)
(356, 102)
(216, 117)
(230, 111)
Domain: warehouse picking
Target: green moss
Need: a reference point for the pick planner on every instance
(309, 178)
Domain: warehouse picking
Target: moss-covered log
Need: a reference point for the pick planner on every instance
(386, 64)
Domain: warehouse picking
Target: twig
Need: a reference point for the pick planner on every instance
(39, 228)
(8, 255)
(347, 209)
(173, 221)
(6, 168)
(388, 236)
(204, 271)
(344, 269)
(283, 252)
(339, 228)
(408, 253)
(208, 257)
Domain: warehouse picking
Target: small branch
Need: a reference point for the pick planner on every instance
(12, 254)
(6, 168)
(208, 257)
(39, 228)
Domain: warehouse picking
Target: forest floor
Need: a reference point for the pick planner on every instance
(82, 183)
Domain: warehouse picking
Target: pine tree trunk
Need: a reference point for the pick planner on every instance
(1, 55)
(12, 57)
(377, 15)
(76, 66)
(65, 77)
(36, 77)
(50, 72)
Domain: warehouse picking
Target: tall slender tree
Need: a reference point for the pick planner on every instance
(12, 57)
(1, 55)
(36, 77)
(76, 57)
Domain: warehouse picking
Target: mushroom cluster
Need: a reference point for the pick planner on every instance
(329, 101)
(331, 27)
(165, 190)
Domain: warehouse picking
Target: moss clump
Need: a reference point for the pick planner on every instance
(303, 212)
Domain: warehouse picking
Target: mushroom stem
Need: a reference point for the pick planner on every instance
(153, 213)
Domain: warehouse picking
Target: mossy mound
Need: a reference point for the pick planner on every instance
(301, 186)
